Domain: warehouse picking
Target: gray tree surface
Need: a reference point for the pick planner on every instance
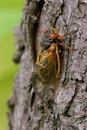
(64, 107)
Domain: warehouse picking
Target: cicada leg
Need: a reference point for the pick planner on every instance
(38, 55)
(58, 58)
(66, 46)
(60, 37)
(54, 30)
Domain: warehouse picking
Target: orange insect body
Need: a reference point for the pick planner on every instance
(47, 67)
(53, 36)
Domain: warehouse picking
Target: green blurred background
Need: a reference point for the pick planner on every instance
(10, 16)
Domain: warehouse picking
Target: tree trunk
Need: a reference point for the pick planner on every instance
(67, 108)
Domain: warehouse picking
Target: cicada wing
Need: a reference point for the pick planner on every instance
(46, 69)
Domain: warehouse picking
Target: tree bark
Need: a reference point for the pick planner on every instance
(67, 110)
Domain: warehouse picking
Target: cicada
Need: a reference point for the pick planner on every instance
(47, 67)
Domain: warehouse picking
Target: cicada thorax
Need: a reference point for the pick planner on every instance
(47, 66)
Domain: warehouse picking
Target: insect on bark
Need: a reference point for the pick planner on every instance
(47, 67)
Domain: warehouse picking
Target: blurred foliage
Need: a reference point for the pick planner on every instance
(11, 4)
(10, 16)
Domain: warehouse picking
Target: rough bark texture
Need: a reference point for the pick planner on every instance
(68, 109)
